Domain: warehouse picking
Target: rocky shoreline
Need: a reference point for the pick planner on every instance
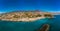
(45, 27)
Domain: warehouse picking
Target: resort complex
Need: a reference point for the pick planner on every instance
(25, 16)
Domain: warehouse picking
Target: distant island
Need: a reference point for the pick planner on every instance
(25, 15)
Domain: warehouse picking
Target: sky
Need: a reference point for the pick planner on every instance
(43, 5)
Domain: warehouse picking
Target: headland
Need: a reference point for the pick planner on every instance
(25, 16)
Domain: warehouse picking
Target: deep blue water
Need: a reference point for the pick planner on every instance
(31, 26)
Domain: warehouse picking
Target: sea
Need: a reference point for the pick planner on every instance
(31, 26)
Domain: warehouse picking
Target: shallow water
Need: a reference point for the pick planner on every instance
(30, 26)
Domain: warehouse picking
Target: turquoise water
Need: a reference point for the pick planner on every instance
(30, 26)
(55, 23)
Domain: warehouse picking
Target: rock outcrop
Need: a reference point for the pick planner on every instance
(45, 27)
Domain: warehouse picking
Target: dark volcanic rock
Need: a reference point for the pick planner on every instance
(45, 27)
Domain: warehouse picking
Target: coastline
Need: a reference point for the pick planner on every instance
(24, 19)
(25, 16)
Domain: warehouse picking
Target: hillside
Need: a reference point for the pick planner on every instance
(24, 16)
